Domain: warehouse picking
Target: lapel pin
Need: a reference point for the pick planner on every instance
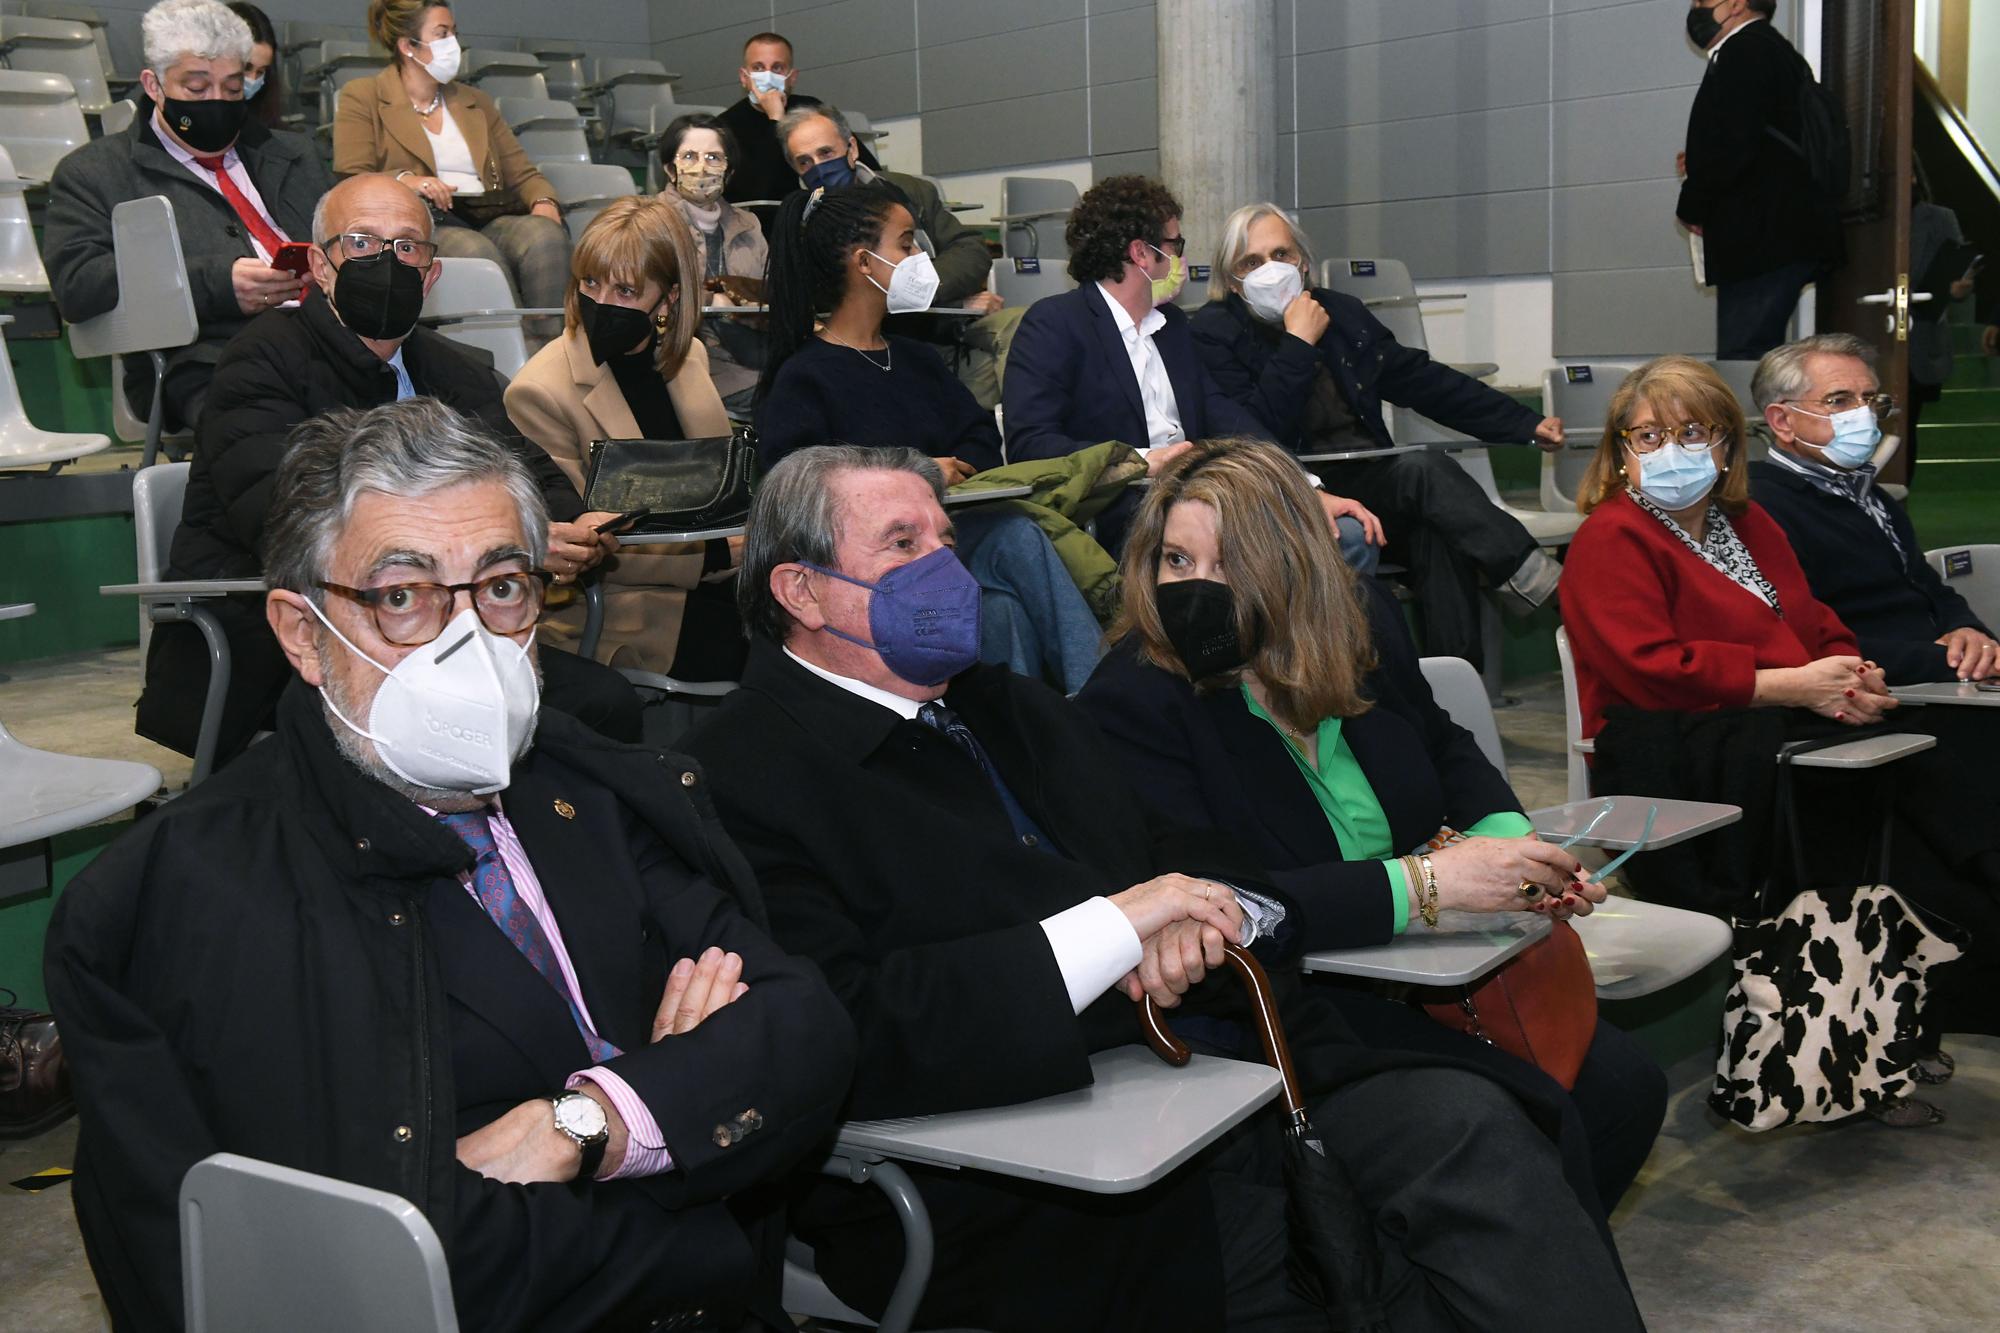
(565, 809)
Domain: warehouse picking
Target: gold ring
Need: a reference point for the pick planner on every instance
(1530, 890)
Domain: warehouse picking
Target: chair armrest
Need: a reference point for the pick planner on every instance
(182, 590)
(1617, 829)
(1867, 752)
(549, 122)
(653, 680)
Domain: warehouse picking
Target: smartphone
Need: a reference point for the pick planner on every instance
(624, 522)
(1987, 686)
(294, 257)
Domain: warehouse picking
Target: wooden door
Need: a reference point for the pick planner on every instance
(1868, 58)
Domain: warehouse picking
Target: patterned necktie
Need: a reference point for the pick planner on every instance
(246, 212)
(495, 889)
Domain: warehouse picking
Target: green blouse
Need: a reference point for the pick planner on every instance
(1349, 803)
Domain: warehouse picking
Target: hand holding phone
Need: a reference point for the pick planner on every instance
(624, 522)
(294, 257)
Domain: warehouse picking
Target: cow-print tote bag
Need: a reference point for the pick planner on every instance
(1821, 1021)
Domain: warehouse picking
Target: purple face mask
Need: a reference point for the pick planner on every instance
(924, 617)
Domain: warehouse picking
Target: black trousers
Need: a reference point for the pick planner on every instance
(1752, 314)
(1445, 531)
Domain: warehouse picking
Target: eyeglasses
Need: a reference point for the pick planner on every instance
(1841, 400)
(366, 245)
(1692, 435)
(412, 614)
(1172, 245)
(690, 158)
(1283, 254)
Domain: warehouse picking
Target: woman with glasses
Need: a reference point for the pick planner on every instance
(695, 154)
(1256, 684)
(1700, 650)
(629, 366)
(445, 141)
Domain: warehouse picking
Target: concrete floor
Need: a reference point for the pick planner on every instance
(1828, 1229)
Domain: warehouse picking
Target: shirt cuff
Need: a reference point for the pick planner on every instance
(1502, 824)
(1094, 945)
(645, 1147)
(1399, 895)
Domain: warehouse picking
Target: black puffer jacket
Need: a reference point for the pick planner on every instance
(287, 367)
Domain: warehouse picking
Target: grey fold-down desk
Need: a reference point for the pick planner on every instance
(1949, 692)
(952, 500)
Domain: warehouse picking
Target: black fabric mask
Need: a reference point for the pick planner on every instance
(613, 330)
(379, 297)
(1702, 27)
(1199, 617)
(207, 124)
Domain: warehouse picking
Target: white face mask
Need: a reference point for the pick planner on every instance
(444, 61)
(766, 81)
(456, 713)
(1272, 286)
(911, 286)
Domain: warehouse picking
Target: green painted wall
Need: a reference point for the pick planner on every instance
(22, 926)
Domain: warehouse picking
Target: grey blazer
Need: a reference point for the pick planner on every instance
(106, 172)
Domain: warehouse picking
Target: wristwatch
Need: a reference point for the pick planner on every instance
(582, 1119)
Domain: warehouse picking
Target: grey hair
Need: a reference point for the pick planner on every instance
(320, 234)
(799, 115)
(1236, 241)
(205, 29)
(1782, 374)
(407, 449)
(793, 518)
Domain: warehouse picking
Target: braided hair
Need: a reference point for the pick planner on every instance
(811, 238)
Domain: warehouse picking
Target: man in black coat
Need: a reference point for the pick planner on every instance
(287, 367)
(348, 955)
(1315, 368)
(1765, 230)
(1855, 541)
(274, 174)
(762, 170)
(988, 897)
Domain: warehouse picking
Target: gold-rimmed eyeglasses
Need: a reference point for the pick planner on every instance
(1693, 435)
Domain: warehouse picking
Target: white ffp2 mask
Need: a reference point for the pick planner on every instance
(1270, 287)
(912, 286)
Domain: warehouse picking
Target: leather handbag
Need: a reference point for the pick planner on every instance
(679, 485)
(34, 1080)
(1539, 1006)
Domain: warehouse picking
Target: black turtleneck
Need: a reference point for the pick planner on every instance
(638, 378)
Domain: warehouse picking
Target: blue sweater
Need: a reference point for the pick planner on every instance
(830, 394)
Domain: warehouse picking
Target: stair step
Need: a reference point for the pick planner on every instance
(1959, 406)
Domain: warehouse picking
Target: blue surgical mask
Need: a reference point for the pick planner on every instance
(251, 87)
(834, 173)
(923, 617)
(1675, 478)
(766, 81)
(1855, 435)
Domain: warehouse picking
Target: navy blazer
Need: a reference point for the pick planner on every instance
(1205, 760)
(1271, 373)
(1897, 606)
(1069, 383)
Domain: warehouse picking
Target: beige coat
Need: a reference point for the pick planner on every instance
(562, 400)
(376, 129)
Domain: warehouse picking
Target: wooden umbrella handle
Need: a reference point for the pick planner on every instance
(1270, 1027)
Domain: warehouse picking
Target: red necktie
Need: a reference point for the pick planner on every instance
(266, 235)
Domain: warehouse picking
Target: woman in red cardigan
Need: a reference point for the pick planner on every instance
(1693, 628)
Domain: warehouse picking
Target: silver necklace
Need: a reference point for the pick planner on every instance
(888, 353)
(437, 98)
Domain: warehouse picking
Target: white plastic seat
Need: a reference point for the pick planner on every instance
(23, 444)
(1550, 528)
(1581, 395)
(622, 71)
(21, 270)
(549, 131)
(473, 303)
(1024, 280)
(43, 793)
(40, 121)
(338, 63)
(71, 12)
(1973, 572)
(1390, 293)
(562, 69)
(512, 74)
(155, 309)
(586, 189)
(640, 109)
(864, 129)
(118, 117)
(1033, 212)
(53, 46)
(269, 1247)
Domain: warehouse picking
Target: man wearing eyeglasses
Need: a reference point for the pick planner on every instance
(432, 940)
(352, 342)
(1827, 413)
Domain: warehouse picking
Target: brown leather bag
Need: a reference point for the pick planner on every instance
(34, 1080)
(1539, 1006)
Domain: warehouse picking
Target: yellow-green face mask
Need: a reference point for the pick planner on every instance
(1167, 288)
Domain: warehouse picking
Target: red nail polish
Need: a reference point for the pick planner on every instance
(1840, 717)
(1848, 693)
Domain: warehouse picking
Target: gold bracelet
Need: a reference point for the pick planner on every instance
(1429, 906)
(1413, 879)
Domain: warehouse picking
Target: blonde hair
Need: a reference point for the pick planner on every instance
(635, 239)
(1676, 388)
(389, 20)
(1297, 603)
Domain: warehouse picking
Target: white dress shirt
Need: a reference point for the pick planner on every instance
(452, 156)
(1156, 391)
(238, 173)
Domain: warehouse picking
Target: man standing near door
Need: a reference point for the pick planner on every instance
(1747, 189)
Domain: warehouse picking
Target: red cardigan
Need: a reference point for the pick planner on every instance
(1652, 625)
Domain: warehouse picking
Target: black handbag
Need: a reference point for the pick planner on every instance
(679, 485)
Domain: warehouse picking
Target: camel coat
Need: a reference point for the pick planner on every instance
(376, 129)
(562, 400)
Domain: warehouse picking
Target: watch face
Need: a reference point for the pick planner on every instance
(580, 1116)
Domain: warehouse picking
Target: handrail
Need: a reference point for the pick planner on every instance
(1959, 131)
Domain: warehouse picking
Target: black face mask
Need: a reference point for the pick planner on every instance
(379, 297)
(207, 125)
(1702, 27)
(613, 330)
(1199, 617)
